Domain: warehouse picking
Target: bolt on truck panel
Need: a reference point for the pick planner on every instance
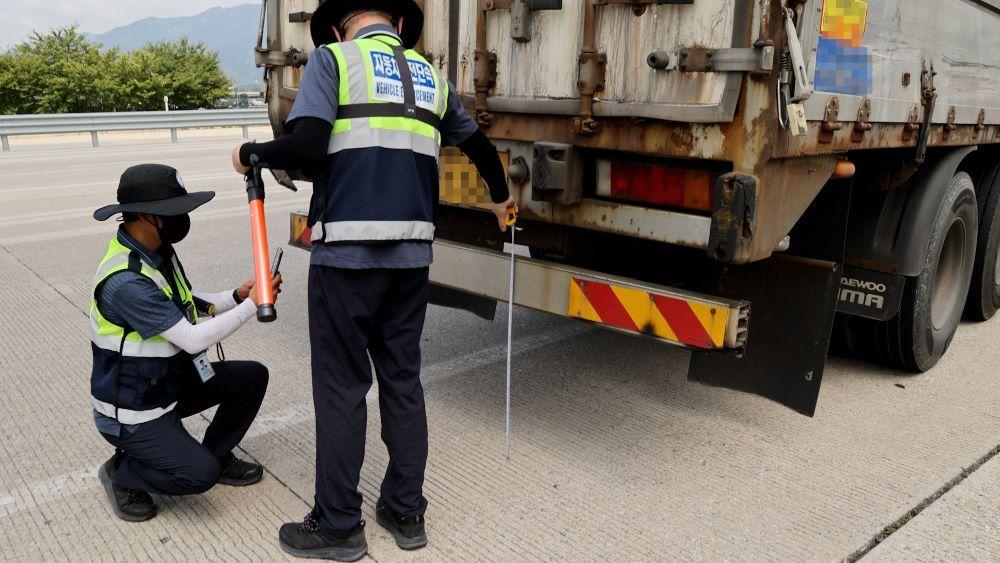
(714, 125)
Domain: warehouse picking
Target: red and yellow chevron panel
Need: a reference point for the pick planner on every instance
(686, 322)
(301, 234)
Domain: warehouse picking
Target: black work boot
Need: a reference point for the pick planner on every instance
(407, 530)
(128, 504)
(307, 540)
(239, 473)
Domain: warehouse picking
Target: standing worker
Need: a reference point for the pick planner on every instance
(150, 367)
(368, 123)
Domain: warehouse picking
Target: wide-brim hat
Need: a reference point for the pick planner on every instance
(331, 12)
(153, 189)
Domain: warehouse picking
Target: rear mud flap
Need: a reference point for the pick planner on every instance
(793, 303)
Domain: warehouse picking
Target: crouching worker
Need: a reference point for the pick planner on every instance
(150, 366)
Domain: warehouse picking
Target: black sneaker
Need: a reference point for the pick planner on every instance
(407, 530)
(307, 540)
(128, 504)
(239, 473)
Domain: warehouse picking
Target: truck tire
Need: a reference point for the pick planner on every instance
(984, 293)
(933, 301)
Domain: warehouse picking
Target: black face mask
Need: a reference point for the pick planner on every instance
(174, 229)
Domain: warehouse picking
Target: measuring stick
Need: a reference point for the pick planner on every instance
(510, 221)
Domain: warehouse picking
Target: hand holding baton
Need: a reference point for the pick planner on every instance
(261, 255)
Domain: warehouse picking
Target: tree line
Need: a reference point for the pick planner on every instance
(62, 72)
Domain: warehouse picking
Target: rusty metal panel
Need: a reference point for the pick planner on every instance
(666, 28)
(545, 66)
(790, 170)
(896, 40)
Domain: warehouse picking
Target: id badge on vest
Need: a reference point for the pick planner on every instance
(204, 367)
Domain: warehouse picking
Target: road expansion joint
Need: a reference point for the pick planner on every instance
(905, 519)
(43, 280)
(308, 504)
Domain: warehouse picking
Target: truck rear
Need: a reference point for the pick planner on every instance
(722, 176)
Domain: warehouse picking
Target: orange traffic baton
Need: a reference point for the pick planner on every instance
(261, 255)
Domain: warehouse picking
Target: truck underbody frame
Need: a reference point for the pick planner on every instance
(784, 206)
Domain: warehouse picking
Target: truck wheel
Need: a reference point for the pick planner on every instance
(984, 294)
(934, 300)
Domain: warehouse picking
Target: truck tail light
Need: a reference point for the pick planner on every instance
(666, 186)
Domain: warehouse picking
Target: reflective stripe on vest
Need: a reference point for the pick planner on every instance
(369, 74)
(126, 416)
(345, 231)
(113, 339)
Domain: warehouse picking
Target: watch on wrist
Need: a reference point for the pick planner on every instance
(236, 296)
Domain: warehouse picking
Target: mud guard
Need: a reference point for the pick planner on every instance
(793, 302)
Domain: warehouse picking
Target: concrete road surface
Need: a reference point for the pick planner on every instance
(615, 454)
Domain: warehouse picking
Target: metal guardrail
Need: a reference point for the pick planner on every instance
(94, 123)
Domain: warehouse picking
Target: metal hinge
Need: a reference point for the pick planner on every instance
(593, 72)
(484, 78)
(928, 95)
(831, 123)
(700, 59)
(862, 126)
(912, 124)
(950, 125)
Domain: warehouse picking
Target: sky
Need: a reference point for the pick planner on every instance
(19, 17)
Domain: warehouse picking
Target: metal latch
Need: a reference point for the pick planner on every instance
(803, 86)
(700, 59)
(521, 14)
(928, 97)
(639, 6)
(292, 57)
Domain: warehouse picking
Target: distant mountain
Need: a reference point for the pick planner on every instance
(231, 32)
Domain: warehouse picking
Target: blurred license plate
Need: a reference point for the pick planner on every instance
(461, 183)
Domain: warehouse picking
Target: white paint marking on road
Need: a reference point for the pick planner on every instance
(482, 358)
(86, 212)
(192, 179)
(63, 486)
(223, 213)
(69, 484)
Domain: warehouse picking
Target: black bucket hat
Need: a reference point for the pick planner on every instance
(331, 12)
(154, 189)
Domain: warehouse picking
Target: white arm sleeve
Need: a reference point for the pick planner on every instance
(223, 301)
(195, 339)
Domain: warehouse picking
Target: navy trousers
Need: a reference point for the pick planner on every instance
(354, 314)
(161, 457)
